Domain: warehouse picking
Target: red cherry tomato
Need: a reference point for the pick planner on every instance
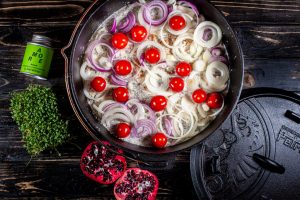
(98, 84)
(158, 103)
(152, 55)
(121, 94)
(123, 130)
(138, 33)
(199, 96)
(183, 69)
(214, 100)
(176, 84)
(119, 41)
(123, 67)
(177, 23)
(159, 140)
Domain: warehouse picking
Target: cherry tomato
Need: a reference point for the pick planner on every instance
(119, 41)
(123, 130)
(159, 140)
(199, 96)
(152, 55)
(158, 103)
(183, 69)
(121, 94)
(214, 100)
(98, 84)
(176, 84)
(138, 33)
(177, 23)
(123, 67)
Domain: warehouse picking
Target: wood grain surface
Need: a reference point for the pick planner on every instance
(269, 32)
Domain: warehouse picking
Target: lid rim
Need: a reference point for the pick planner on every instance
(197, 153)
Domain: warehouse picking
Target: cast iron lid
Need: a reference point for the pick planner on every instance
(255, 154)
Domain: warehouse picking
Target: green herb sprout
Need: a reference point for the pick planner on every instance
(35, 111)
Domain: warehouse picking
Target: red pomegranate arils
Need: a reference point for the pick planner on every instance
(136, 184)
(102, 165)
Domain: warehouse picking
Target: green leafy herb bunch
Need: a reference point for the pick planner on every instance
(35, 111)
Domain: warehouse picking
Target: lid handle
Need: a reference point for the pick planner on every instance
(292, 116)
(268, 164)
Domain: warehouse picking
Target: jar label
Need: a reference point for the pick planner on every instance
(37, 60)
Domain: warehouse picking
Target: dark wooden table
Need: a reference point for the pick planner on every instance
(269, 31)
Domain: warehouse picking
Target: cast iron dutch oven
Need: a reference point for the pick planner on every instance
(74, 51)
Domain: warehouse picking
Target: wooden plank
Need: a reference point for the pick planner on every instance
(65, 12)
(269, 41)
(278, 73)
(260, 12)
(37, 12)
(65, 179)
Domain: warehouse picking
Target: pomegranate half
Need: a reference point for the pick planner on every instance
(102, 165)
(136, 184)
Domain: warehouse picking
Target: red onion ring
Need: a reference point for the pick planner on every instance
(151, 112)
(189, 4)
(113, 105)
(130, 21)
(117, 81)
(148, 128)
(207, 34)
(215, 51)
(89, 53)
(163, 9)
(114, 26)
(168, 126)
(218, 58)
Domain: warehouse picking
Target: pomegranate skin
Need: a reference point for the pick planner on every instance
(136, 183)
(101, 165)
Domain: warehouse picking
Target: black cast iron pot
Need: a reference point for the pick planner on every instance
(74, 51)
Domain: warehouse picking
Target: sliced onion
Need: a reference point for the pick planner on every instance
(179, 49)
(150, 111)
(163, 11)
(201, 111)
(218, 58)
(157, 82)
(168, 126)
(114, 26)
(216, 51)
(130, 21)
(143, 128)
(84, 73)
(89, 54)
(215, 31)
(106, 104)
(189, 5)
(217, 74)
(115, 114)
(117, 81)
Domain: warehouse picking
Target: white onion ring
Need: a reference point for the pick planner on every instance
(216, 34)
(179, 50)
(157, 82)
(223, 74)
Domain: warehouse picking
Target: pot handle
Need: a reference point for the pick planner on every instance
(156, 163)
(268, 164)
(64, 49)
